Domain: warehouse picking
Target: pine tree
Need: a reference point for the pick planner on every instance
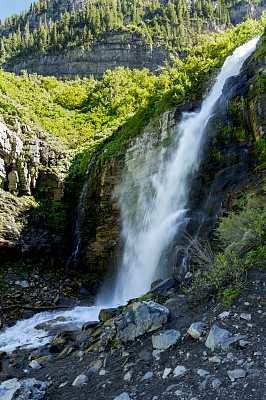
(2, 50)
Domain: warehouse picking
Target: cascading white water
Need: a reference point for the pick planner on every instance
(158, 219)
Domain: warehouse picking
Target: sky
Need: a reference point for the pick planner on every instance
(9, 7)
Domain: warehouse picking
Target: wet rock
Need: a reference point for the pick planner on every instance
(57, 345)
(47, 324)
(236, 374)
(163, 286)
(155, 283)
(108, 313)
(89, 325)
(196, 329)
(44, 359)
(14, 389)
(84, 336)
(64, 302)
(80, 381)
(69, 332)
(34, 364)
(164, 339)
(135, 320)
(216, 336)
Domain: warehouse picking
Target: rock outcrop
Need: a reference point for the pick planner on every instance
(117, 49)
(240, 11)
(28, 167)
(23, 163)
(224, 163)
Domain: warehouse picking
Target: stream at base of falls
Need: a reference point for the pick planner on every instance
(157, 220)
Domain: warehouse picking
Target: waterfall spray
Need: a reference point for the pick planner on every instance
(160, 217)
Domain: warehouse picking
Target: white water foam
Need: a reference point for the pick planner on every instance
(157, 221)
(24, 334)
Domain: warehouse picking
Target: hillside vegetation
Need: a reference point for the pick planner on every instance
(86, 111)
(173, 23)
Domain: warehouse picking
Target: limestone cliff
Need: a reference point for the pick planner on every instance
(118, 49)
(24, 163)
(240, 11)
(28, 166)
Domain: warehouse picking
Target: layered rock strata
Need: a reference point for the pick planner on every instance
(118, 49)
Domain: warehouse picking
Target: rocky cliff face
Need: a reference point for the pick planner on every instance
(119, 49)
(225, 161)
(23, 163)
(26, 167)
(240, 11)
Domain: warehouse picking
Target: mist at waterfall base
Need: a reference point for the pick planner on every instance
(157, 220)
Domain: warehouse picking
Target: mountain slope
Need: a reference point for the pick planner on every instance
(101, 26)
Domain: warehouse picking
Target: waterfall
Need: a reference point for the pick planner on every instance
(160, 214)
(159, 218)
(72, 261)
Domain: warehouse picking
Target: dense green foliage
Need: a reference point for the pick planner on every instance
(86, 112)
(243, 232)
(173, 24)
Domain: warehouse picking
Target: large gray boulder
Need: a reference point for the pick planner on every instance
(164, 339)
(137, 319)
(26, 389)
(216, 336)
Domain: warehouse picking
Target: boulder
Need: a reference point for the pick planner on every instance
(196, 329)
(89, 325)
(108, 313)
(216, 336)
(226, 343)
(14, 389)
(138, 318)
(163, 286)
(141, 317)
(57, 345)
(164, 339)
